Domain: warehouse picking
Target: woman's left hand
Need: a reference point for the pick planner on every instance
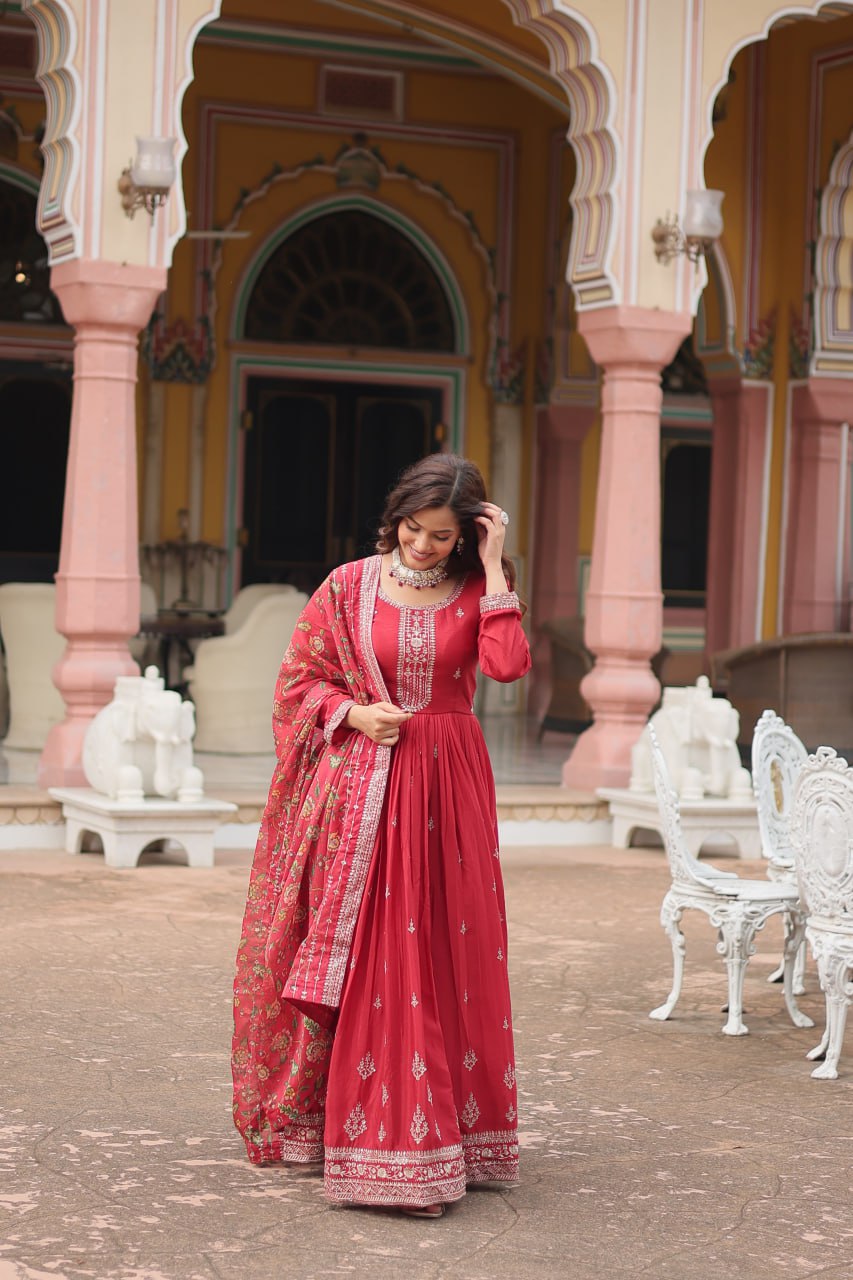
(491, 532)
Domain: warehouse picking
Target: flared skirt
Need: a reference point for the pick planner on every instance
(421, 1095)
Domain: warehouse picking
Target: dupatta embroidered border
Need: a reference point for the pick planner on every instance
(318, 972)
(310, 868)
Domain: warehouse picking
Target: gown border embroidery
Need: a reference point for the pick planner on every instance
(367, 1176)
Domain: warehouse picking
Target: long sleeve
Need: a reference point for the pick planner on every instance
(503, 649)
(331, 716)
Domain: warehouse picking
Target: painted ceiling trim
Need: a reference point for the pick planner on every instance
(267, 35)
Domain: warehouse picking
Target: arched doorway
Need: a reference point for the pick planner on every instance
(321, 453)
(35, 397)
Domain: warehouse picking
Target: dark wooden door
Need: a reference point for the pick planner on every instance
(35, 418)
(319, 460)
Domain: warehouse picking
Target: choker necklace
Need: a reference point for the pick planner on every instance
(416, 578)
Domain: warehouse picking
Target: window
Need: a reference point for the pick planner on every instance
(349, 279)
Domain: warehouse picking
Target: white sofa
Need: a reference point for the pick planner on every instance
(33, 647)
(4, 696)
(232, 679)
(246, 599)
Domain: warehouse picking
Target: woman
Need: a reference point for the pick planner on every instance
(372, 1015)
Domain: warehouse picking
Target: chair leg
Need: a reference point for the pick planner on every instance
(778, 973)
(834, 980)
(735, 946)
(670, 916)
(819, 1051)
(800, 970)
(794, 938)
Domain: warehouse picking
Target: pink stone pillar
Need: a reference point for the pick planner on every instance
(97, 586)
(721, 516)
(624, 604)
(817, 534)
(554, 588)
(741, 440)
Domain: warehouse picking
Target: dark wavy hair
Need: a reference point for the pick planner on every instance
(441, 480)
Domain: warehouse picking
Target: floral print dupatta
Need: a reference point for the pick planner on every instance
(313, 853)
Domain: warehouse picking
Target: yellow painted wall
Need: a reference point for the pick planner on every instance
(245, 152)
(789, 88)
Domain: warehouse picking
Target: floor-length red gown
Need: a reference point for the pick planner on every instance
(421, 1090)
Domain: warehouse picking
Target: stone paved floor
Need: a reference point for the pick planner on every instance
(649, 1150)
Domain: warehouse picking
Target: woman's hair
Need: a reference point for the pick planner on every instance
(441, 480)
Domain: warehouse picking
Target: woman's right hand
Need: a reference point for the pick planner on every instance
(380, 721)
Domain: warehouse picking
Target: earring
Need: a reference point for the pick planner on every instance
(460, 546)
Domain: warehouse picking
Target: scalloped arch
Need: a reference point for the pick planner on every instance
(60, 198)
(56, 25)
(833, 290)
(573, 57)
(777, 15)
(833, 308)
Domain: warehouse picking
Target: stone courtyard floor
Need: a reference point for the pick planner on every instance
(661, 1150)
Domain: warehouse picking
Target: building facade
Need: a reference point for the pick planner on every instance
(395, 229)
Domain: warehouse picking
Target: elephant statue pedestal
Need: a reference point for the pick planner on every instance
(697, 738)
(138, 758)
(127, 827)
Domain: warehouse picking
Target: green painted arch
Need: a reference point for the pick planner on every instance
(425, 246)
(20, 178)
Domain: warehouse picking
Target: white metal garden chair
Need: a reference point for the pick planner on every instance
(822, 832)
(778, 755)
(736, 908)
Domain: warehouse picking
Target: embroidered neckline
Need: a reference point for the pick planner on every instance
(424, 608)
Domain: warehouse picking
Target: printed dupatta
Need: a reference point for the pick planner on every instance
(311, 861)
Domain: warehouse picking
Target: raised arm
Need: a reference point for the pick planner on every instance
(503, 649)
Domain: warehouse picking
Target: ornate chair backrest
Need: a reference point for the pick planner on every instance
(777, 758)
(822, 832)
(684, 867)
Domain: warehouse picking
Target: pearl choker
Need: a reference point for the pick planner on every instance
(416, 578)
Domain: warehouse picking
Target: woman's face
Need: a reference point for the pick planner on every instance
(427, 537)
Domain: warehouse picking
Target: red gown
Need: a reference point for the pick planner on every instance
(421, 1095)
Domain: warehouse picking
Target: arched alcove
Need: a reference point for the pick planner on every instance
(25, 293)
(348, 278)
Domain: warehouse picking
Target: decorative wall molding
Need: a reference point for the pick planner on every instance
(799, 346)
(758, 353)
(177, 352)
(248, 34)
(508, 371)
